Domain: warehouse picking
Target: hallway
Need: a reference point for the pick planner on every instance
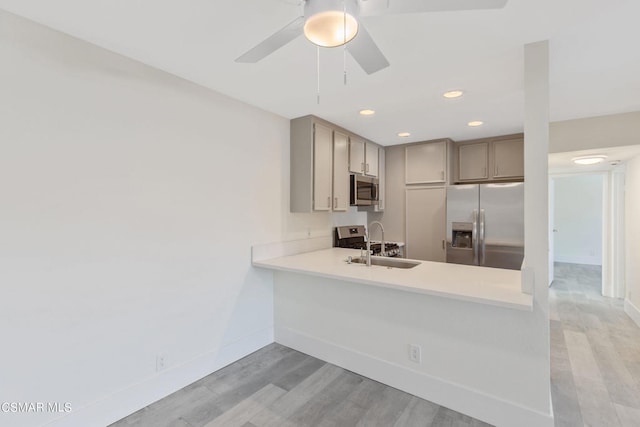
(595, 352)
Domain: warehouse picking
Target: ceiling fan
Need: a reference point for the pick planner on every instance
(331, 23)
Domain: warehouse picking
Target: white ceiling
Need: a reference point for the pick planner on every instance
(595, 59)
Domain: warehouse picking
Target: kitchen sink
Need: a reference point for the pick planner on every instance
(386, 262)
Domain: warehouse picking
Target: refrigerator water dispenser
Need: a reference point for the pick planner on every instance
(462, 235)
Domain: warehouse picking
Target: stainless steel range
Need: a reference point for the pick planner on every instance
(353, 237)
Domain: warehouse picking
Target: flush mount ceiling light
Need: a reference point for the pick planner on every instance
(404, 134)
(330, 23)
(453, 94)
(367, 112)
(589, 160)
(475, 123)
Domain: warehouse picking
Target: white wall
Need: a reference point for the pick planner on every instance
(632, 267)
(578, 218)
(129, 200)
(481, 360)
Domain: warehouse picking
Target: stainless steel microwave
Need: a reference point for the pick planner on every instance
(364, 190)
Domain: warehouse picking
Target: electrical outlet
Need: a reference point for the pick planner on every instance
(415, 353)
(161, 362)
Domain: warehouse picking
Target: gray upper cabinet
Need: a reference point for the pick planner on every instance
(322, 168)
(508, 158)
(371, 159)
(320, 158)
(382, 180)
(340, 171)
(356, 155)
(426, 163)
(490, 159)
(311, 165)
(473, 161)
(363, 157)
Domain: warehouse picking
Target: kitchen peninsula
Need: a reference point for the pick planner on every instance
(455, 335)
(493, 286)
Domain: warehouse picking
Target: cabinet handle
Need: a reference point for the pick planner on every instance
(367, 169)
(497, 170)
(335, 203)
(329, 201)
(443, 244)
(442, 174)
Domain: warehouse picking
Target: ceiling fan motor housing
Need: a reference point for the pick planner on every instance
(330, 23)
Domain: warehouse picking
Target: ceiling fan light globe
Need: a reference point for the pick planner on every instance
(330, 28)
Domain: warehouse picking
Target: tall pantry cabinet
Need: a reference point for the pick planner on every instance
(426, 176)
(426, 223)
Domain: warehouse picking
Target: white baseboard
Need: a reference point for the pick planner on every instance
(129, 400)
(632, 311)
(570, 259)
(474, 403)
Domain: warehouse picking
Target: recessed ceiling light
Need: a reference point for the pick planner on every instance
(367, 112)
(404, 134)
(453, 94)
(475, 123)
(589, 160)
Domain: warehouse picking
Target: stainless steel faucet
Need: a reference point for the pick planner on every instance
(369, 242)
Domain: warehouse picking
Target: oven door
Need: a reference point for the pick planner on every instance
(364, 190)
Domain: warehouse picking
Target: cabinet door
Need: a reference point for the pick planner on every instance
(340, 172)
(356, 155)
(508, 158)
(473, 160)
(382, 180)
(371, 159)
(426, 221)
(426, 163)
(322, 168)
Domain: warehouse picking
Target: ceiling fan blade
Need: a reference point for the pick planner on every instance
(389, 7)
(366, 52)
(274, 42)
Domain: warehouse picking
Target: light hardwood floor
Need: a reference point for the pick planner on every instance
(595, 378)
(595, 353)
(280, 387)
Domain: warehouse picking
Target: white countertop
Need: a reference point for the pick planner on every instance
(484, 285)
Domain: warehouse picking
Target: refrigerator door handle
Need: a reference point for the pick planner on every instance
(474, 234)
(482, 242)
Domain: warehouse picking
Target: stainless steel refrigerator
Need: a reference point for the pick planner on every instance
(485, 224)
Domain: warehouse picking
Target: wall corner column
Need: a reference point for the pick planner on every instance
(536, 221)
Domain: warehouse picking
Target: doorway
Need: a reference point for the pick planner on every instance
(586, 309)
(586, 226)
(578, 219)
